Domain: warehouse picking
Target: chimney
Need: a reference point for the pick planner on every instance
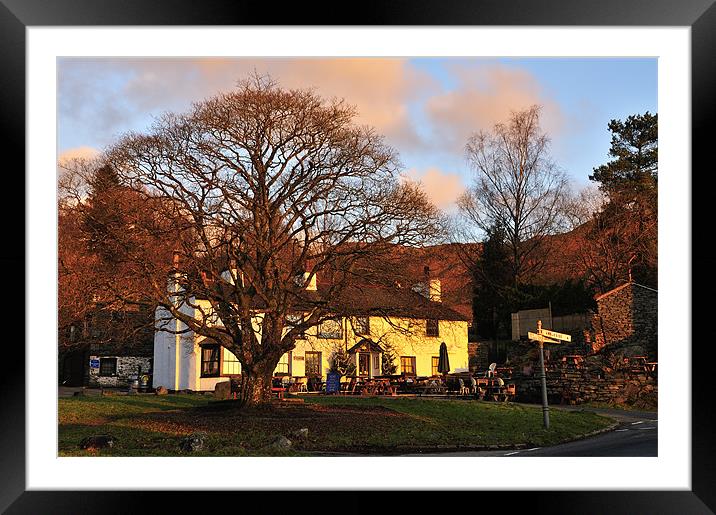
(429, 288)
(434, 290)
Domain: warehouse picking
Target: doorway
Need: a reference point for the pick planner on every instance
(364, 364)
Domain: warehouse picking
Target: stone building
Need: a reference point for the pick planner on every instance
(626, 319)
(112, 348)
(111, 367)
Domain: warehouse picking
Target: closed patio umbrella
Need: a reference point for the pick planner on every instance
(443, 360)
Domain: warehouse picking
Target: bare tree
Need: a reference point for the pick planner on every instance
(582, 207)
(517, 188)
(262, 190)
(100, 240)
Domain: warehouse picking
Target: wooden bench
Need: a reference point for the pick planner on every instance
(278, 390)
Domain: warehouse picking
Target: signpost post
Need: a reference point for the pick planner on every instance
(545, 336)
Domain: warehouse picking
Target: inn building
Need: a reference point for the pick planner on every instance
(411, 322)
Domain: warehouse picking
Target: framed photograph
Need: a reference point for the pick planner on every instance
(436, 89)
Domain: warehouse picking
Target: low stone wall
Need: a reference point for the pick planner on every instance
(572, 385)
(127, 368)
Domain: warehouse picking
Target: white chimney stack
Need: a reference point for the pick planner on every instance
(430, 288)
(434, 290)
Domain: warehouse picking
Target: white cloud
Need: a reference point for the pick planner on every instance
(443, 188)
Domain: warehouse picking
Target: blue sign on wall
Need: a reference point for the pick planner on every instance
(94, 363)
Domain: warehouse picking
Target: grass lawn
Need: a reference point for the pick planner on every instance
(149, 425)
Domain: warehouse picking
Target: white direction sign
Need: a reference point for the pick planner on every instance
(540, 338)
(556, 336)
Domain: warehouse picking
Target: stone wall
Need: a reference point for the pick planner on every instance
(626, 318)
(571, 384)
(646, 320)
(477, 353)
(127, 369)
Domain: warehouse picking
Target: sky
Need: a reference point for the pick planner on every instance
(425, 107)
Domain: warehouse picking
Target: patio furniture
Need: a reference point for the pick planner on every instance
(430, 387)
(491, 369)
(314, 384)
(464, 390)
(302, 383)
(277, 386)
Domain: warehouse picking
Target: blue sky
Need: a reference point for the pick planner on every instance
(425, 107)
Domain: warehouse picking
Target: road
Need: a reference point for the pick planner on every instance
(636, 436)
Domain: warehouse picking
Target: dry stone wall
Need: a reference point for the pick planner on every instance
(576, 385)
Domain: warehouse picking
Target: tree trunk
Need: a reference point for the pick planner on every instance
(255, 386)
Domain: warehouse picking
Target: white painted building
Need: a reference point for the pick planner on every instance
(187, 361)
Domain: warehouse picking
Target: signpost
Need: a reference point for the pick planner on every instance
(538, 337)
(545, 336)
(556, 336)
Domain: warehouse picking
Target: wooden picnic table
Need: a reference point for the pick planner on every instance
(431, 386)
(492, 389)
(379, 386)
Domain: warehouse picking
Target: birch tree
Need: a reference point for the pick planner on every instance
(517, 187)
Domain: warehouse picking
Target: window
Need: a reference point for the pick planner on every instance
(407, 365)
(210, 360)
(313, 364)
(361, 326)
(230, 365)
(283, 368)
(108, 366)
(432, 327)
(331, 328)
(294, 320)
(436, 360)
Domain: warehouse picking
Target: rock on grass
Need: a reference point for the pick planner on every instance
(193, 443)
(97, 442)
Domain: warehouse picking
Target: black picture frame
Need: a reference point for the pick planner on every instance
(700, 15)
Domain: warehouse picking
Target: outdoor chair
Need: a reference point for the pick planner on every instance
(464, 390)
(302, 384)
(473, 385)
(491, 370)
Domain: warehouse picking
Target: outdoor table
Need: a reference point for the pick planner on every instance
(384, 386)
(431, 387)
